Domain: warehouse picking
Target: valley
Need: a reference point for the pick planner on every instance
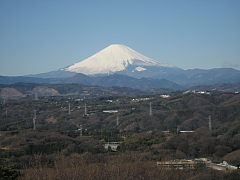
(70, 133)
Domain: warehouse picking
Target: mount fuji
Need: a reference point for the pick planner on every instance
(124, 61)
(113, 59)
(116, 58)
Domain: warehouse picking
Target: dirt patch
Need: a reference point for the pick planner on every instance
(11, 93)
(51, 120)
(45, 91)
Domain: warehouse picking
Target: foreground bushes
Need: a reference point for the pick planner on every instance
(8, 173)
(122, 166)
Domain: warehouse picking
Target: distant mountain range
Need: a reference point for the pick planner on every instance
(105, 81)
(124, 81)
(119, 65)
(37, 90)
(34, 90)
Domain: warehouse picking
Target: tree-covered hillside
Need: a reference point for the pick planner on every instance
(148, 129)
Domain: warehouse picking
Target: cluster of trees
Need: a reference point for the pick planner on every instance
(72, 90)
(8, 173)
(120, 166)
(51, 155)
(182, 112)
(55, 149)
(21, 146)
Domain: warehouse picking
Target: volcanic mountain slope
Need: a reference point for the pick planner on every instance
(115, 58)
(112, 59)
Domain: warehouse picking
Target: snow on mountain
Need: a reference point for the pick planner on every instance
(139, 69)
(112, 59)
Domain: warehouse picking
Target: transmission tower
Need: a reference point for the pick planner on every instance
(210, 122)
(85, 112)
(4, 101)
(69, 108)
(34, 119)
(117, 121)
(4, 106)
(36, 96)
(80, 129)
(150, 109)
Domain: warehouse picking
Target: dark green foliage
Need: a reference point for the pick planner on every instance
(8, 173)
(57, 135)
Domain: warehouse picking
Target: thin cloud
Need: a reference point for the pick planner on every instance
(230, 64)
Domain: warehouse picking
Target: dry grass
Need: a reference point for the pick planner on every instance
(92, 167)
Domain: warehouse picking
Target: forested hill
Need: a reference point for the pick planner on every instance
(148, 129)
(177, 110)
(21, 90)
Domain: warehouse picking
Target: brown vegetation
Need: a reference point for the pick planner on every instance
(122, 166)
(55, 149)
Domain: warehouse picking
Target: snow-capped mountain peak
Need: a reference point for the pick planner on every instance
(114, 58)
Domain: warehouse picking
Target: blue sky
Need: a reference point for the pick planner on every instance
(40, 36)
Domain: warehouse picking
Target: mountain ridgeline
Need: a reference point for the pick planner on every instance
(119, 65)
(124, 81)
